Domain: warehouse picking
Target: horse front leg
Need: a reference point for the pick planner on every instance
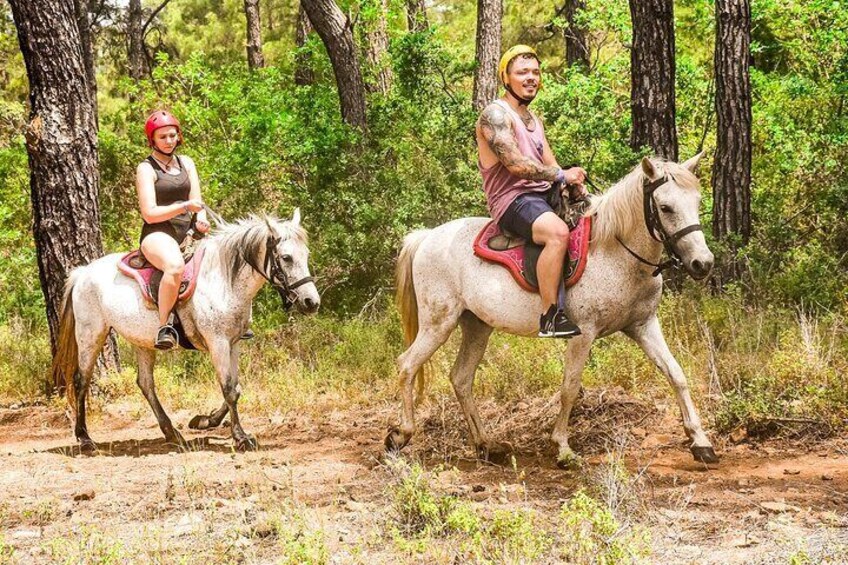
(575, 359)
(650, 338)
(225, 359)
(146, 360)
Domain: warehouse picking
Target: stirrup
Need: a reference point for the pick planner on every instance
(166, 338)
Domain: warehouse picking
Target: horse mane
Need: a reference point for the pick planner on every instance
(242, 243)
(619, 210)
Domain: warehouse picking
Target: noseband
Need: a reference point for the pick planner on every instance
(656, 229)
(276, 275)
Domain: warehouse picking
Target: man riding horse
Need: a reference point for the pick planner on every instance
(521, 177)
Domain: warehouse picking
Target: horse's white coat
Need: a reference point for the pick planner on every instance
(616, 293)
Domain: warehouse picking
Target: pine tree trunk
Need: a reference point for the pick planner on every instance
(61, 140)
(416, 16)
(576, 48)
(486, 81)
(376, 41)
(255, 60)
(335, 31)
(303, 74)
(84, 25)
(136, 58)
(731, 175)
(652, 77)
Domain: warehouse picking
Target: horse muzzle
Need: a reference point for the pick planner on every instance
(699, 269)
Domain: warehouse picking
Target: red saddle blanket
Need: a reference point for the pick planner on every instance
(514, 258)
(147, 276)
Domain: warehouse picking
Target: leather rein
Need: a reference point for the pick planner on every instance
(657, 231)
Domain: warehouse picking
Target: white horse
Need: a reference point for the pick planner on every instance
(442, 284)
(239, 259)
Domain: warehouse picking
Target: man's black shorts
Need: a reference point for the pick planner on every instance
(524, 210)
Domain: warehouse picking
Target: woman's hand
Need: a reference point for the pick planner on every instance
(193, 205)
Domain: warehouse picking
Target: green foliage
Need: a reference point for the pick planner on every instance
(591, 534)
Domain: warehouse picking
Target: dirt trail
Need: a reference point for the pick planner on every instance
(154, 499)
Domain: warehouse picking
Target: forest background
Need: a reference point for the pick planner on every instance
(769, 344)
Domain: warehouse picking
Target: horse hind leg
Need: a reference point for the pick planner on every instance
(650, 338)
(211, 420)
(475, 338)
(89, 345)
(430, 337)
(146, 359)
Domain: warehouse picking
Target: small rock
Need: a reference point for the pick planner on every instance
(744, 541)
(26, 534)
(478, 488)
(779, 507)
(355, 506)
(479, 496)
(84, 495)
(827, 477)
(791, 471)
(743, 482)
(739, 434)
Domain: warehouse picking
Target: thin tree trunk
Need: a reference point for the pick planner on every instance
(576, 48)
(136, 58)
(335, 31)
(731, 175)
(652, 77)
(61, 140)
(486, 81)
(416, 16)
(376, 41)
(303, 74)
(255, 60)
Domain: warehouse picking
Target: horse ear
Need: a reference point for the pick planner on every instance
(648, 168)
(692, 164)
(270, 229)
(296, 217)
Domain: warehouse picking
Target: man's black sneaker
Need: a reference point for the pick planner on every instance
(166, 338)
(554, 323)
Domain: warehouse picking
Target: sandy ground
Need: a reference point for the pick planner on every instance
(142, 500)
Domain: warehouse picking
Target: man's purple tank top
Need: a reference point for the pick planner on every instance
(501, 186)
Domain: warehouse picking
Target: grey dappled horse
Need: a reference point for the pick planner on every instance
(239, 259)
(442, 284)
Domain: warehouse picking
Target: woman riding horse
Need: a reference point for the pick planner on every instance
(168, 196)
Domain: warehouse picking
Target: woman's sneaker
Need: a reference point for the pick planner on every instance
(554, 323)
(167, 338)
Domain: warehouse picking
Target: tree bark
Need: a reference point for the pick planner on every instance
(486, 81)
(61, 140)
(255, 60)
(376, 41)
(84, 24)
(136, 58)
(335, 31)
(303, 74)
(576, 48)
(416, 16)
(731, 175)
(652, 77)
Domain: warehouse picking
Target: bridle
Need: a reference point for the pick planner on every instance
(657, 231)
(273, 272)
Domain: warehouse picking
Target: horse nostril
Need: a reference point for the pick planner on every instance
(311, 304)
(697, 266)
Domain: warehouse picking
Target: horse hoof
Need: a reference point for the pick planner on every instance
(87, 447)
(497, 453)
(569, 461)
(704, 454)
(247, 443)
(200, 422)
(395, 440)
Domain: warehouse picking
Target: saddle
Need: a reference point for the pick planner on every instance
(148, 277)
(520, 256)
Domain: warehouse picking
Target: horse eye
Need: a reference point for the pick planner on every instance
(287, 258)
(666, 209)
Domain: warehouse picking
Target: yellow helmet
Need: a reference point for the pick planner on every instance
(511, 54)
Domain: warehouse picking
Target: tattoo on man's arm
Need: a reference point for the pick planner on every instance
(497, 130)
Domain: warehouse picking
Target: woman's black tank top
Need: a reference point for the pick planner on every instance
(169, 189)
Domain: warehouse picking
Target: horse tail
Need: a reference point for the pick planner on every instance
(407, 303)
(66, 359)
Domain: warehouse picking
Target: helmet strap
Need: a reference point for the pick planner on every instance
(521, 101)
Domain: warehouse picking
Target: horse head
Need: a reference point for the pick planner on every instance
(672, 201)
(287, 263)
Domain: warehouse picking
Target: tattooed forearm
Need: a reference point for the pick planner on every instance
(497, 131)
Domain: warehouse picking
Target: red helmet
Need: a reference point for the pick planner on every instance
(161, 119)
